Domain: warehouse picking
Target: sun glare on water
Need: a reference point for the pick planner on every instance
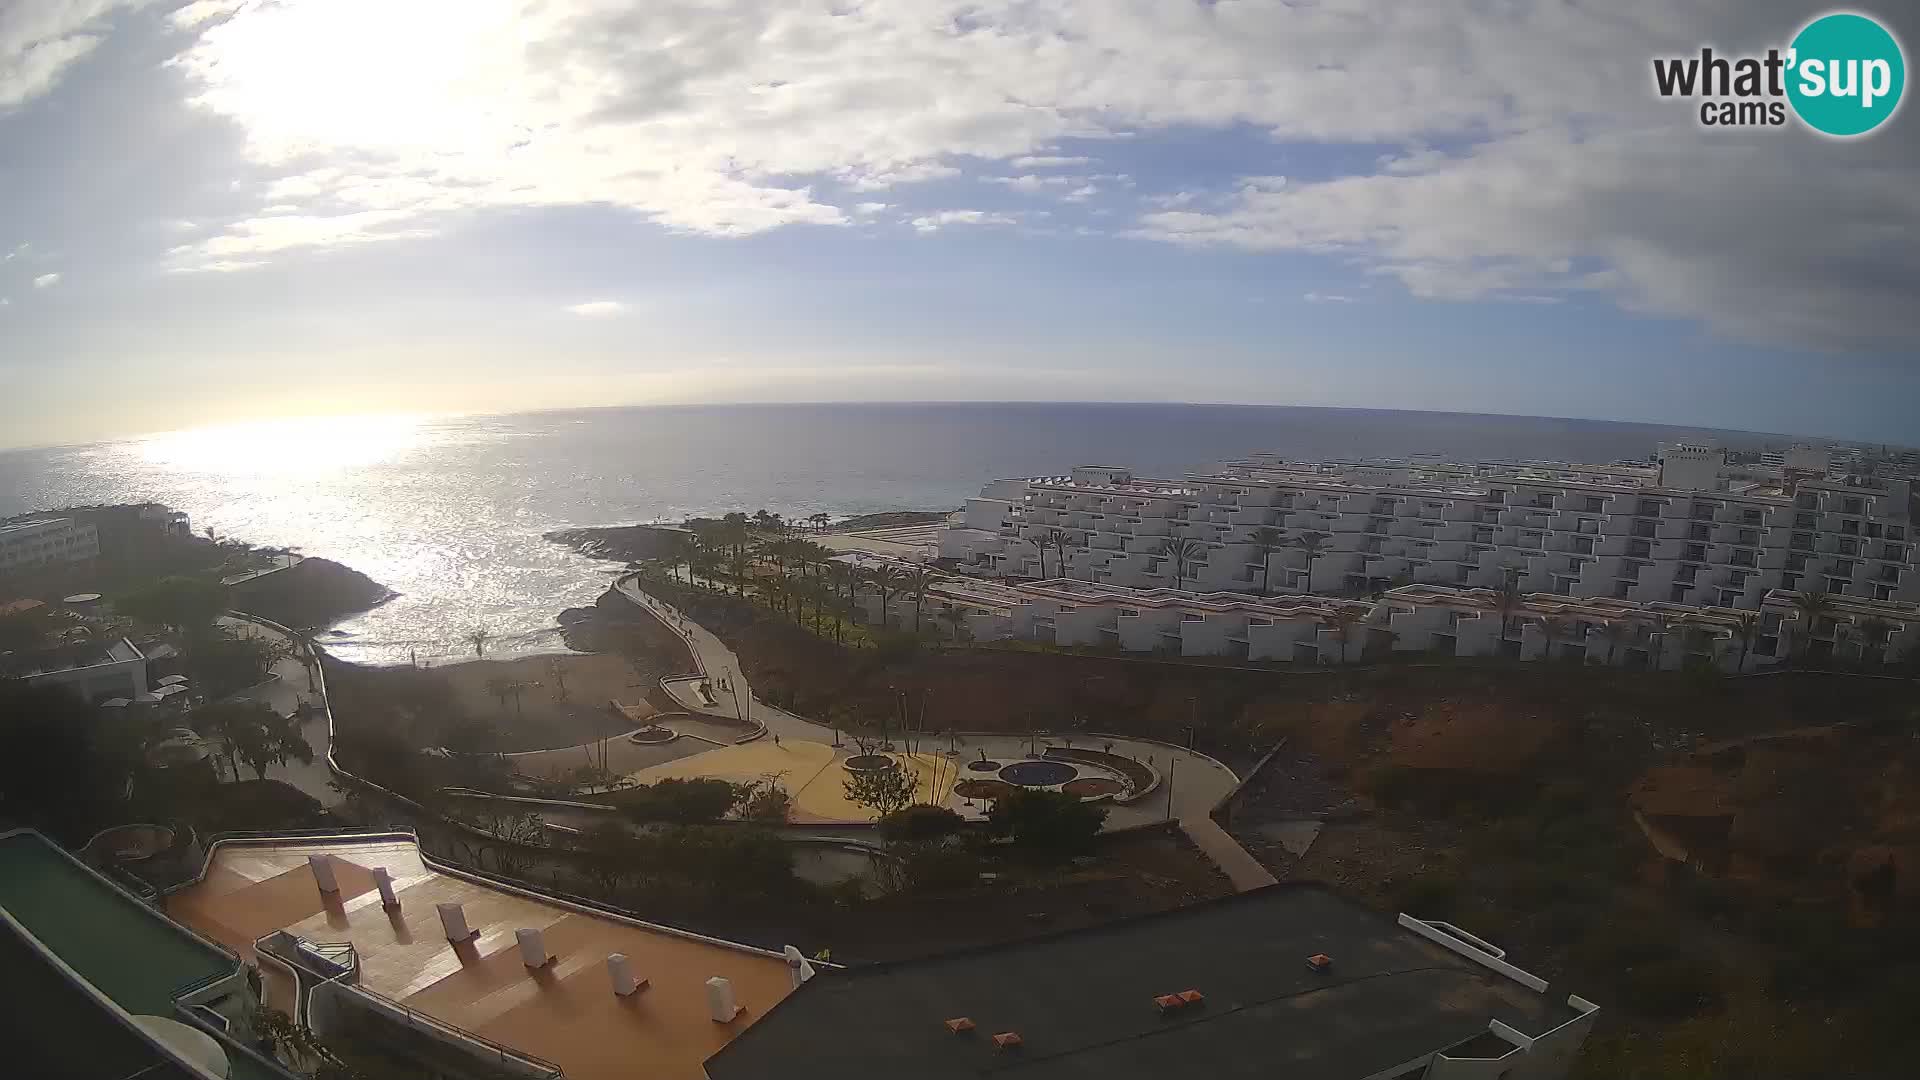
(308, 444)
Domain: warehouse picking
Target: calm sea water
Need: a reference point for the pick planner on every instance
(449, 512)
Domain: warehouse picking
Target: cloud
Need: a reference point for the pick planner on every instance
(598, 308)
(41, 39)
(1534, 159)
(866, 209)
(1327, 298)
(934, 222)
(46, 281)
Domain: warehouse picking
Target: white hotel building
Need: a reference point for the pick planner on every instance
(34, 542)
(1680, 532)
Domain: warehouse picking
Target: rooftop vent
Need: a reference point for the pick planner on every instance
(720, 1001)
(1192, 997)
(454, 921)
(620, 970)
(533, 948)
(1168, 1002)
(322, 866)
(384, 882)
(1007, 1040)
(1320, 962)
(960, 1025)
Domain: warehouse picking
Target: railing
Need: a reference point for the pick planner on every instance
(414, 1018)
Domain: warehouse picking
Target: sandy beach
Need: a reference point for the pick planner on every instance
(562, 699)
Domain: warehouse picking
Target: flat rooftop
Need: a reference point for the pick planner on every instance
(1083, 1002)
(566, 1013)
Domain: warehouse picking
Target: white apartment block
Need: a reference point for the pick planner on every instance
(30, 543)
(1680, 532)
(1432, 619)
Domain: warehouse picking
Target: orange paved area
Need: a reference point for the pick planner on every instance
(565, 1013)
(811, 772)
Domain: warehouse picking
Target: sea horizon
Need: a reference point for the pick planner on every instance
(451, 512)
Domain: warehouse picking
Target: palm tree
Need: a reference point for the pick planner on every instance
(1508, 599)
(1809, 608)
(1313, 543)
(1659, 624)
(1746, 628)
(478, 637)
(956, 620)
(886, 579)
(681, 550)
(1057, 540)
(819, 521)
(1696, 639)
(916, 582)
(1873, 638)
(1616, 632)
(1343, 622)
(1266, 540)
(1553, 628)
(1182, 552)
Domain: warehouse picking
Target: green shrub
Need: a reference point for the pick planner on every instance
(684, 802)
(917, 824)
(1050, 824)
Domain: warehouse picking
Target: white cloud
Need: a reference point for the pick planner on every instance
(934, 222)
(41, 39)
(598, 307)
(5, 301)
(729, 117)
(867, 209)
(1327, 298)
(1082, 193)
(46, 281)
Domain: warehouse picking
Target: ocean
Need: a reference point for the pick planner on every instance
(449, 511)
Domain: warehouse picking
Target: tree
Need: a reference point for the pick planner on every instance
(1508, 599)
(1057, 540)
(819, 521)
(1266, 541)
(1809, 609)
(250, 732)
(1659, 625)
(956, 620)
(1183, 552)
(182, 603)
(1554, 628)
(1615, 632)
(885, 579)
(1048, 824)
(1873, 633)
(478, 637)
(685, 802)
(1746, 629)
(62, 770)
(882, 791)
(919, 824)
(916, 583)
(613, 854)
(223, 661)
(767, 801)
(23, 631)
(1313, 543)
(1343, 623)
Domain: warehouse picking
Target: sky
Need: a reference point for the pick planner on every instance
(221, 211)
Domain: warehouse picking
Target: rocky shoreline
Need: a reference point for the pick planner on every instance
(639, 543)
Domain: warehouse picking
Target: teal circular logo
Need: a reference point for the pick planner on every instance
(1846, 74)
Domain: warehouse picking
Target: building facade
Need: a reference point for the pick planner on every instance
(1623, 532)
(1431, 619)
(31, 543)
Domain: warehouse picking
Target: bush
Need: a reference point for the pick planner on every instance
(682, 802)
(1047, 823)
(933, 867)
(1429, 896)
(916, 824)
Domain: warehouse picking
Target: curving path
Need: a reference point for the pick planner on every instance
(1198, 782)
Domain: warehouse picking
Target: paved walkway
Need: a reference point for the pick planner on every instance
(1195, 782)
(286, 694)
(1242, 869)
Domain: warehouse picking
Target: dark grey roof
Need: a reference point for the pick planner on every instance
(1082, 1001)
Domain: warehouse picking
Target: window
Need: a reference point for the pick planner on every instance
(1837, 586)
(1790, 581)
(1588, 525)
(1583, 545)
(1842, 568)
(1801, 540)
(1847, 547)
(1737, 579)
(1649, 508)
(1696, 553)
(1750, 516)
(1806, 500)
(1883, 592)
(1678, 595)
(1805, 521)
(1630, 571)
(1850, 527)
(1894, 552)
(1703, 511)
(1747, 537)
(1639, 549)
(1796, 562)
(1895, 532)
(1621, 589)
(1742, 557)
(1685, 574)
(1770, 622)
(1729, 598)
(1698, 532)
(1594, 504)
(1643, 528)
(1852, 506)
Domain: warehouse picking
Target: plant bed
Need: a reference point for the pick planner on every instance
(653, 736)
(983, 789)
(1092, 787)
(868, 763)
(984, 766)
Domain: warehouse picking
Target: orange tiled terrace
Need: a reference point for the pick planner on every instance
(565, 1013)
